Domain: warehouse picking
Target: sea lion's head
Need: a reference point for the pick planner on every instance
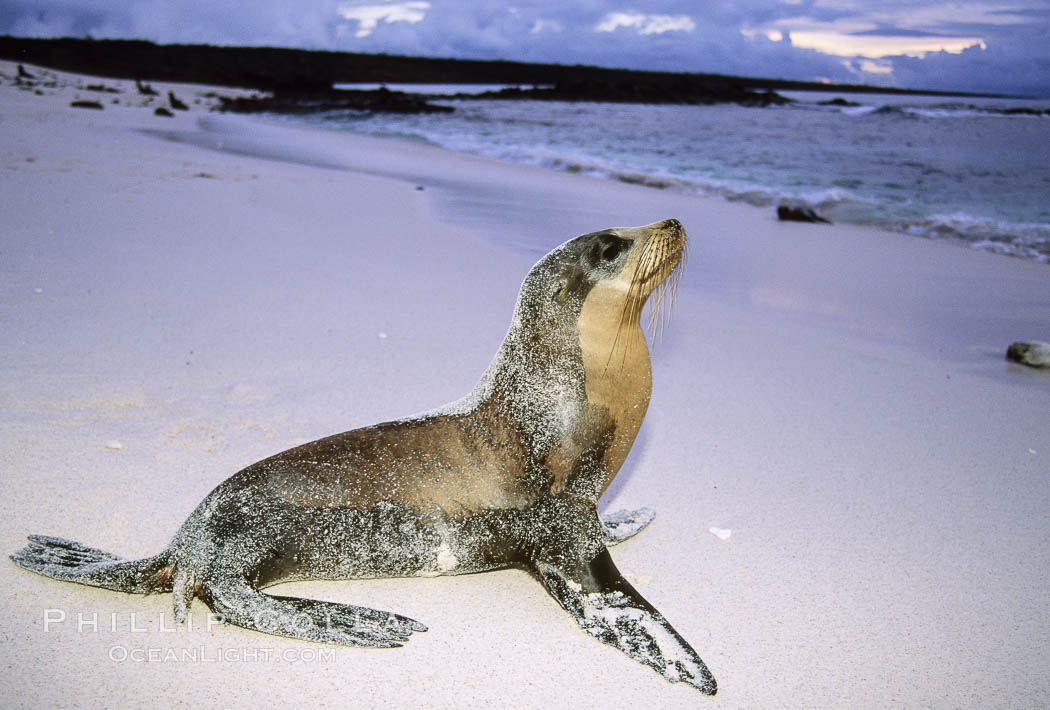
(613, 271)
(583, 300)
(626, 264)
(641, 261)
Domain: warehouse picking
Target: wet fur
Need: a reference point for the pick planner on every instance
(510, 475)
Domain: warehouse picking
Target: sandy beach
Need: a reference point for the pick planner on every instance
(181, 296)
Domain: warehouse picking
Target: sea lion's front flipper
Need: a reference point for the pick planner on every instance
(237, 602)
(611, 610)
(620, 525)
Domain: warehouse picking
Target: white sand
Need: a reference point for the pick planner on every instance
(836, 397)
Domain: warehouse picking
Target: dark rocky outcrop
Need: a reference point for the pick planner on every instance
(281, 70)
(681, 90)
(799, 213)
(380, 100)
(837, 101)
(175, 103)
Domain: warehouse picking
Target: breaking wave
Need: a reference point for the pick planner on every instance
(974, 171)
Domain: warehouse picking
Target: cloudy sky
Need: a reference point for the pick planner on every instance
(977, 45)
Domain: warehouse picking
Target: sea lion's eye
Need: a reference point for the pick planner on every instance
(613, 250)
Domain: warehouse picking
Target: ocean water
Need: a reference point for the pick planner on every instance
(962, 169)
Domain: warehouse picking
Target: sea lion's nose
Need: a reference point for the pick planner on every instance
(671, 225)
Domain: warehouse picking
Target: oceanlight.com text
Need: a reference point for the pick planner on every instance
(202, 654)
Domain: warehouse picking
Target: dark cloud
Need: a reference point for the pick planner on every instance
(1008, 68)
(1014, 60)
(555, 31)
(1037, 12)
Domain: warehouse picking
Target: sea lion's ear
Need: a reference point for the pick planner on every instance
(560, 292)
(573, 282)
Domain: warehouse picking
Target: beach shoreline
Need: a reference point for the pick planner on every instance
(183, 296)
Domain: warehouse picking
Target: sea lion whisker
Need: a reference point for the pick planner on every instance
(657, 263)
(629, 312)
(655, 299)
(666, 293)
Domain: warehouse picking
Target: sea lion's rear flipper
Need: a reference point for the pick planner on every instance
(611, 610)
(620, 525)
(70, 561)
(237, 602)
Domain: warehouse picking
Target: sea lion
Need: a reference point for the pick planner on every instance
(509, 475)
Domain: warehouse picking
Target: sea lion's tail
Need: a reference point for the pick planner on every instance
(72, 562)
